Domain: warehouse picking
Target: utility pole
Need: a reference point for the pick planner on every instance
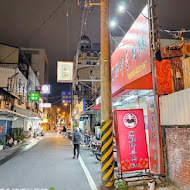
(155, 47)
(106, 107)
(107, 169)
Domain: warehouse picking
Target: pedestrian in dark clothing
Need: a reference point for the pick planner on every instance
(76, 142)
(64, 130)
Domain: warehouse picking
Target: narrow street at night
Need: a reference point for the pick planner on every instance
(94, 95)
(50, 164)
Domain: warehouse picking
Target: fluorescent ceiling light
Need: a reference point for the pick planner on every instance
(117, 104)
(130, 97)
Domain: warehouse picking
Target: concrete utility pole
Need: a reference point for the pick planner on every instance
(106, 107)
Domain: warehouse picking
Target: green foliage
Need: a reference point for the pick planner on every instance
(20, 137)
(75, 125)
(18, 134)
(121, 185)
(2, 142)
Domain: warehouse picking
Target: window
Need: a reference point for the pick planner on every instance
(88, 54)
(95, 54)
(88, 62)
(94, 63)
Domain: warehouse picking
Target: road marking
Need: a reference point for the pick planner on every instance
(29, 146)
(88, 176)
(87, 173)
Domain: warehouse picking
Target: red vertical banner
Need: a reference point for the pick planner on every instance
(131, 140)
(1, 129)
(153, 136)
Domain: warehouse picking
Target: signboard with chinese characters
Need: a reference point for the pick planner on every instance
(34, 96)
(64, 71)
(131, 140)
(45, 105)
(1, 129)
(131, 59)
(153, 137)
(45, 89)
(66, 97)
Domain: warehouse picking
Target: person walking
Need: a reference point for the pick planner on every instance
(76, 142)
(64, 130)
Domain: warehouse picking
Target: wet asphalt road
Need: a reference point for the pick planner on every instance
(49, 164)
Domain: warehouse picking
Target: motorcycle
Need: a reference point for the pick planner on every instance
(42, 133)
(99, 154)
(9, 141)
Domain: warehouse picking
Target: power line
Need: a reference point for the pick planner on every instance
(57, 101)
(83, 25)
(177, 31)
(68, 36)
(37, 29)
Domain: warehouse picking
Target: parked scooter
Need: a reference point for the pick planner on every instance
(36, 133)
(42, 133)
(99, 154)
(9, 140)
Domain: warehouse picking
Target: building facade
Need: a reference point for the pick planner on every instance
(23, 71)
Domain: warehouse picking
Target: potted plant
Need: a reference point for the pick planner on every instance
(15, 137)
(2, 143)
(20, 138)
(121, 185)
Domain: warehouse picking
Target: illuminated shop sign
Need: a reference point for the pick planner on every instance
(34, 96)
(64, 71)
(45, 105)
(131, 59)
(131, 140)
(45, 89)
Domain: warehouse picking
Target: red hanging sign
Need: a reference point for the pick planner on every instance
(131, 140)
(131, 59)
(1, 129)
(153, 136)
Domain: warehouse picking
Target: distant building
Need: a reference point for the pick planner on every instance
(39, 63)
(22, 71)
(88, 62)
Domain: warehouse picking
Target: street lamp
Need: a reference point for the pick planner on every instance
(113, 24)
(65, 104)
(122, 9)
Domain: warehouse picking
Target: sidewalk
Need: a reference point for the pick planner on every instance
(10, 152)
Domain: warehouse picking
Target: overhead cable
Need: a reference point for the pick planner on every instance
(37, 29)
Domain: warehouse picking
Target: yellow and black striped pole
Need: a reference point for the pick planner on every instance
(107, 154)
(106, 107)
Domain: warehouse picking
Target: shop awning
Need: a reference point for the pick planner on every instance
(87, 112)
(10, 115)
(27, 113)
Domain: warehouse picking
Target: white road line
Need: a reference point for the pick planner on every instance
(88, 176)
(87, 173)
(29, 146)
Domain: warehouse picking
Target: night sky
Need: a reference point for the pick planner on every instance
(19, 20)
